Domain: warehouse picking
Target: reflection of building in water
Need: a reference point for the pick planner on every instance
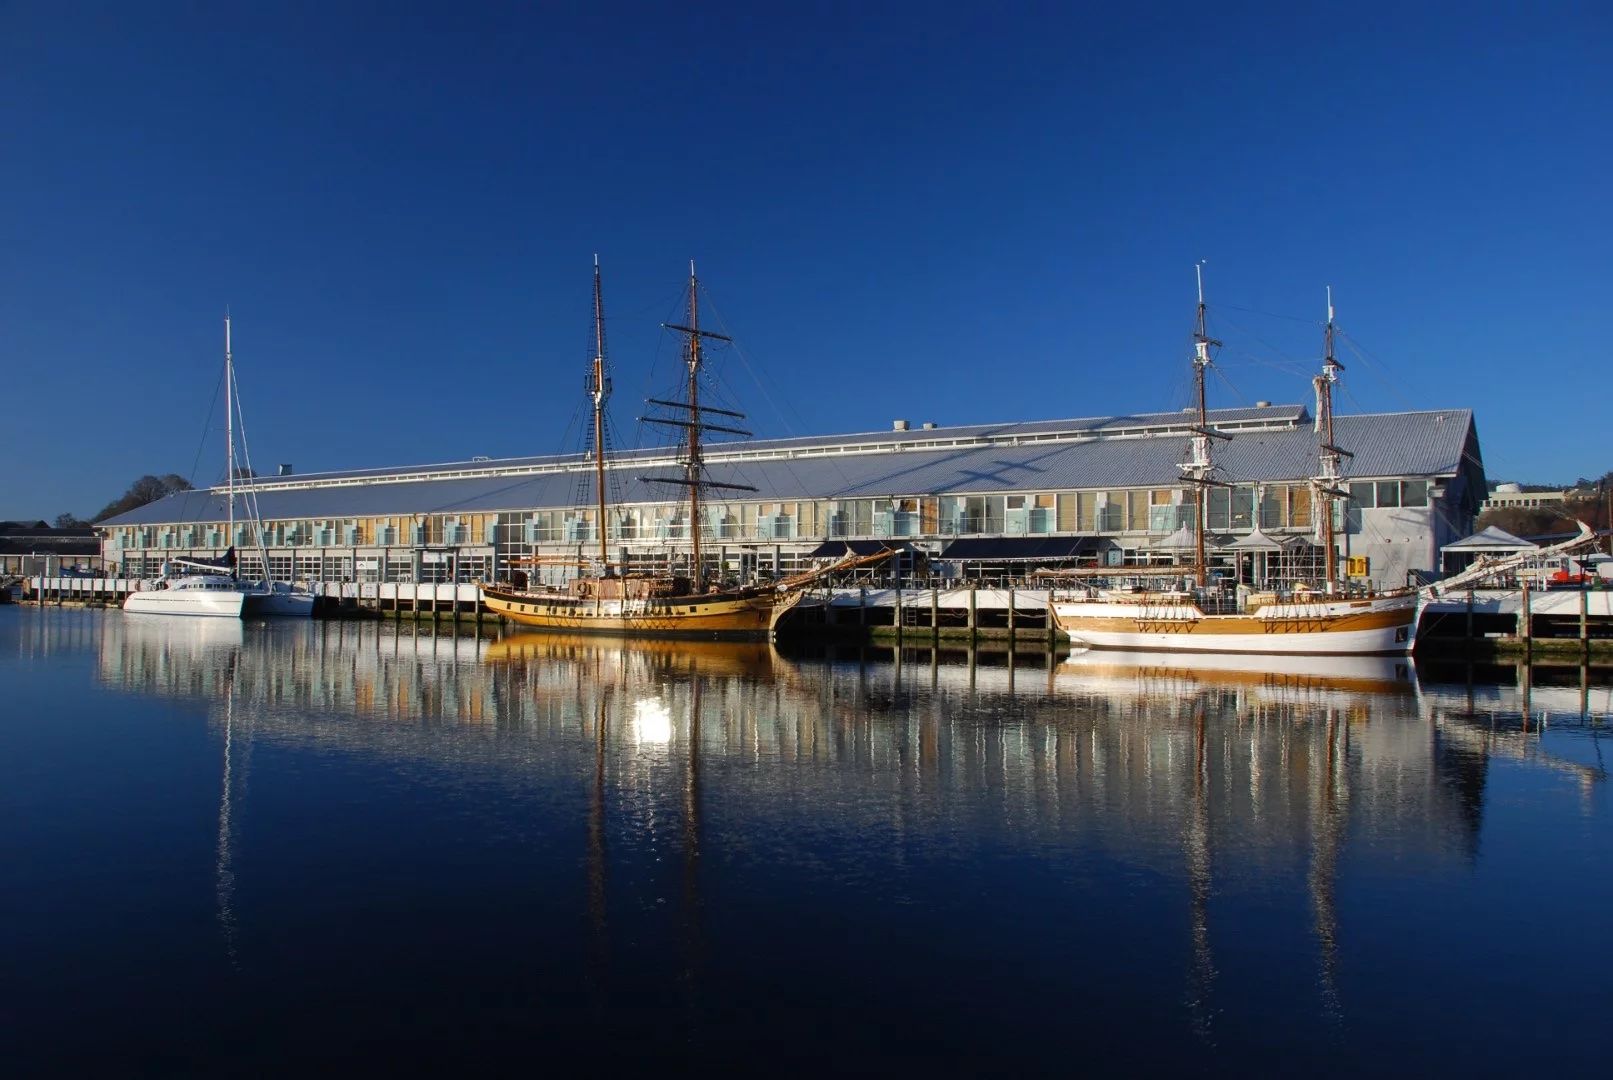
(1102, 736)
(1204, 776)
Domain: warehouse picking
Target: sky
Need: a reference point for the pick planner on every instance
(950, 213)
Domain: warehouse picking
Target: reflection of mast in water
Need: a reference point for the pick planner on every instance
(1197, 843)
(1328, 845)
(224, 872)
(691, 841)
(596, 851)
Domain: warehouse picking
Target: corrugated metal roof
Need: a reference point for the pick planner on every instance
(1281, 448)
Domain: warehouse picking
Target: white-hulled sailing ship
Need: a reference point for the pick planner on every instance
(1323, 619)
(1320, 621)
(607, 598)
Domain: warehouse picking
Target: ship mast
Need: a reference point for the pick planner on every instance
(1197, 469)
(1328, 480)
(601, 391)
(694, 465)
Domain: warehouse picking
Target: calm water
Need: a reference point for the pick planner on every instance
(341, 845)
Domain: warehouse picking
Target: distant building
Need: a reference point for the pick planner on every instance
(981, 501)
(1513, 497)
(33, 547)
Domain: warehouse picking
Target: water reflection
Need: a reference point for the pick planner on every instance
(1208, 779)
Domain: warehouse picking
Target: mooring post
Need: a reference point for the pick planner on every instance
(1585, 623)
(972, 613)
(1470, 614)
(935, 614)
(901, 616)
(862, 605)
(1525, 631)
(1010, 620)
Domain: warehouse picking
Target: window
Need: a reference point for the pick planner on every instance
(1136, 511)
(1067, 512)
(1086, 511)
(1388, 492)
(1272, 502)
(1299, 506)
(1364, 494)
(1243, 508)
(1414, 493)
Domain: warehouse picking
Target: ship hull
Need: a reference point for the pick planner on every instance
(715, 616)
(1375, 627)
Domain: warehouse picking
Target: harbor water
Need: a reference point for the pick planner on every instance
(302, 846)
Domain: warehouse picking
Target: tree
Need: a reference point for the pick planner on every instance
(69, 521)
(147, 489)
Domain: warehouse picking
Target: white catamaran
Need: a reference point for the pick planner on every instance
(207, 588)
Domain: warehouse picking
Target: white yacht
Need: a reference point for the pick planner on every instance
(197, 592)
(201, 587)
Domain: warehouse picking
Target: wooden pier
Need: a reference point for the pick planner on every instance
(1548, 626)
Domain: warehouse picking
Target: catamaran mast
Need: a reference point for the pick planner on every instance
(1328, 481)
(229, 437)
(600, 393)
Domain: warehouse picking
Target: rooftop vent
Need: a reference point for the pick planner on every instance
(929, 425)
(285, 470)
(898, 425)
(1262, 404)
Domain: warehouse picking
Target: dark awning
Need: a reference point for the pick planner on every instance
(1014, 548)
(835, 549)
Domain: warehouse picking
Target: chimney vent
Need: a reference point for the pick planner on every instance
(1262, 404)
(929, 425)
(285, 470)
(898, 425)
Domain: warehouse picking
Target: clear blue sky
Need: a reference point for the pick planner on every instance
(970, 214)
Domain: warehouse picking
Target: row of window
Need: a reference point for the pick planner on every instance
(1138, 510)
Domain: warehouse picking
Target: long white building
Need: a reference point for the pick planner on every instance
(984, 500)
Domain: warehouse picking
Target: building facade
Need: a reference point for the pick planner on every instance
(974, 501)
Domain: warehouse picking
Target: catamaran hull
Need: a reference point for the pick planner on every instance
(1342, 628)
(289, 605)
(218, 604)
(746, 618)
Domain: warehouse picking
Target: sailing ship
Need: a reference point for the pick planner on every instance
(605, 598)
(1322, 621)
(191, 586)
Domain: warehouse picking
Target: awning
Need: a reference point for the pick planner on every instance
(1257, 541)
(1014, 548)
(836, 549)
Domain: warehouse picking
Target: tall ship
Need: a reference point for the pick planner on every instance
(1317, 618)
(608, 598)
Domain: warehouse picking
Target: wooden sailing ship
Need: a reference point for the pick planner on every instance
(608, 599)
(1324, 620)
